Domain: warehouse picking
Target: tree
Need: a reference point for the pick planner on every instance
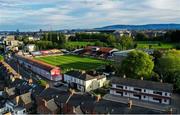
(138, 64)
(141, 37)
(1, 58)
(126, 42)
(169, 65)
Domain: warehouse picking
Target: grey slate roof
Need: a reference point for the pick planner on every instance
(111, 107)
(51, 105)
(83, 76)
(143, 84)
(49, 93)
(26, 98)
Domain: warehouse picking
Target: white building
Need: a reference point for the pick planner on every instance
(30, 47)
(30, 38)
(120, 33)
(143, 90)
(83, 81)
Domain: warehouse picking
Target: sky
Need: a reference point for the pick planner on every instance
(27, 15)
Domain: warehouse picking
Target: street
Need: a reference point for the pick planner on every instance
(27, 74)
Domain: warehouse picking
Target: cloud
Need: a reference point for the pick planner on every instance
(68, 14)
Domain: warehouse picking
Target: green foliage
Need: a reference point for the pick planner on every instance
(51, 40)
(168, 63)
(71, 45)
(42, 83)
(1, 58)
(138, 64)
(43, 45)
(141, 37)
(155, 45)
(126, 42)
(172, 36)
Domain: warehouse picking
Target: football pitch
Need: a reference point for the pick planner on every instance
(67, 62)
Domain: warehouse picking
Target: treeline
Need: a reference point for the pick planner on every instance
(105, 40)
(51, 40)
(170, 36)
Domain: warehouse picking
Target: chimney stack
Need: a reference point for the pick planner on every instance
(161, 80)
(142, 78)
(124, 76)
(71, 91)
(130, 104)
(98, 97)
(45, 102)
(170, 111)
(30, 81)
(83, 72)
(6, 89)
(47, 86)
(17, 100)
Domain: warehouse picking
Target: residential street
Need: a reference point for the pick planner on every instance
(27, 74)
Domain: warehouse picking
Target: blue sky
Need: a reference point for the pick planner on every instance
(28, 15)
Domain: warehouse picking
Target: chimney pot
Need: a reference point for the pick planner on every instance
(45, 102)
(98, 97)
(30, 81)
(17, 100)
(170, 111)
(47, 86)
(130, 104)
(124, 76)
(83, 72)
(161, 81)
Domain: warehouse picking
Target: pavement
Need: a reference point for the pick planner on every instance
(140, 103)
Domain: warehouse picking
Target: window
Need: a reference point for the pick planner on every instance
(165, 100)
(165, 94)
(137, 89)
(157, 92)
(144, 90)
(144, 96)
(119, 92)
(119, 86)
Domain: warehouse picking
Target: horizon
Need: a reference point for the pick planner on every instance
(33, 15)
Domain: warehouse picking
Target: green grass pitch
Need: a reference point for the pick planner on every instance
(67, 62)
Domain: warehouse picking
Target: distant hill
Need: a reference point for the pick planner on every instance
(142, 27)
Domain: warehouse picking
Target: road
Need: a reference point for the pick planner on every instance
(27, 74)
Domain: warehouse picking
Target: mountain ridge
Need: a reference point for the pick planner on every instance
(141, 27)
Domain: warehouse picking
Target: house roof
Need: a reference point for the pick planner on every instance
(26, 98)
(143, 84)
(84, 76)
(111, 107)
(21, 85)
(11, 91)
(49, 93)
(63, 97)
(37, 90)
(101, 49)
(51, 105)
(37, 63)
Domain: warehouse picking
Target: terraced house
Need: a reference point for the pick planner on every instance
(156, 92)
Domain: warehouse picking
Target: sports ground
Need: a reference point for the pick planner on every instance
(67, 62)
